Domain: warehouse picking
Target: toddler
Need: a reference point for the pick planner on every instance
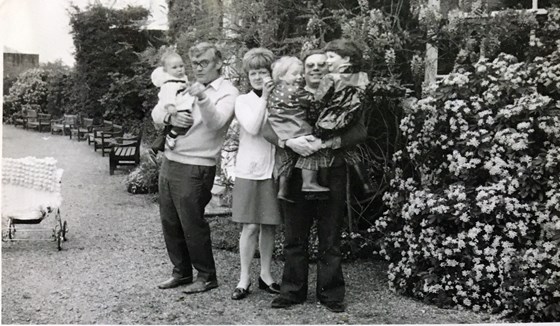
(339, 100)
(171, 79)
(288, 107)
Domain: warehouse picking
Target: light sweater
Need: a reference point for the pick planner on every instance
(255, 155)
(201, 145)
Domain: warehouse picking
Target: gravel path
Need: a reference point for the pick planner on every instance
(107, 270)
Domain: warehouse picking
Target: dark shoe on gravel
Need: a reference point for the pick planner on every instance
(334, 306)
(175, 282)
(273, 288)
(281, 302)
(200, 286)
(240, 293)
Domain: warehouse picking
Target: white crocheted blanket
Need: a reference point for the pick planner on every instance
(30, 185)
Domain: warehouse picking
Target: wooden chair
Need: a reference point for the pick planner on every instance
(82, 128)
(106, 139)
(43, 120)
(64, 124)
(125, 151)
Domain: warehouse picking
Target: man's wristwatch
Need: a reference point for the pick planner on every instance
(282, 143)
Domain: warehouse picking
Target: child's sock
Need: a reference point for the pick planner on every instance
(310, 184)
(170, 141)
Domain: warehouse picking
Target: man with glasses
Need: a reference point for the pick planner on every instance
(187, 171)
(299, 215)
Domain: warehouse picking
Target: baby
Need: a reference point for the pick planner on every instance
(289, 105)
(171, 79)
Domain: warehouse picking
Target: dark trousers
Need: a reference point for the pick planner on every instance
(184, 192)
(298, 219)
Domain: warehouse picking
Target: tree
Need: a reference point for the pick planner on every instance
(59, 87)
(106, 41)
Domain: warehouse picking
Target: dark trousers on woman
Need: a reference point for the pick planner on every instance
(298, 219)
(184, 192)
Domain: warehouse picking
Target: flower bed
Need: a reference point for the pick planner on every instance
(473, 217)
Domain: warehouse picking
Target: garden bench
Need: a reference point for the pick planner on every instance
(107, 126)
(124, 151)
(104, 139)
(64, 124)
(22, 118)
(18, 119)
(42, 120)
(82, 128)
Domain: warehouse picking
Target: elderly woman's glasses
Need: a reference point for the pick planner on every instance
(202, 63)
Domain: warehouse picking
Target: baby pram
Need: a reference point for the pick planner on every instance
(30, 194)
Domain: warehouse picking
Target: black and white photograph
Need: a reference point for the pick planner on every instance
(280, 162)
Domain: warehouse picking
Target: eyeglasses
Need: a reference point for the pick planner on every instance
(312, 65)
(202, 64)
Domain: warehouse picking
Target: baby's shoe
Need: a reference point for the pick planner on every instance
(314, 187)
(170, 142)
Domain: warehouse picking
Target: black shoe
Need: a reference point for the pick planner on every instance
(334, 306)
(240, 293)
(200, 286)
(281, 302)
(175, 282)
(272, 288)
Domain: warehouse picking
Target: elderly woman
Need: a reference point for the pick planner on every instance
(254, 193)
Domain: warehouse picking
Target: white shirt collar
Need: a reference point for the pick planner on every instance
(216, 83)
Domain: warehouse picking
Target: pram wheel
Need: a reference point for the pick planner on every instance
(64, 231)
(11, 230)
(58, 241)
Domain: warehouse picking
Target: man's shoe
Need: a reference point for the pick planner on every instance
(281, 302)
(200, 286)
(175, 282)
(334, 306)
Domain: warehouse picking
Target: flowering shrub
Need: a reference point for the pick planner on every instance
(29, 91)
(143, 179)
(475, 221)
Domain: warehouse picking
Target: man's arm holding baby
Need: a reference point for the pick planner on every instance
(303, 145)
(181, 119)
(354, 135)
